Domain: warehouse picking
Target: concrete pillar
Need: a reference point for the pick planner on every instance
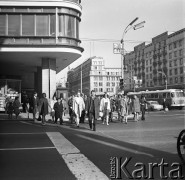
(49, 76)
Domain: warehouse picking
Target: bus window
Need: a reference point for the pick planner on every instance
(156, 95)
(160, 95)
(164, 95)
(172, 95)
(152, 95)
(168, 95)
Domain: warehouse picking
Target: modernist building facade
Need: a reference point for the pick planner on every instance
(93, 75)
(38, 39)
(161, 60)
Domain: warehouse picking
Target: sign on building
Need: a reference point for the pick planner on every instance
(117, 48)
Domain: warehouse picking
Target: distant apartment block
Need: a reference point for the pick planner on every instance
(163, 58)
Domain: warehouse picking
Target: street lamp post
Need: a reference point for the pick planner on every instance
(130, 26)
(166, 81)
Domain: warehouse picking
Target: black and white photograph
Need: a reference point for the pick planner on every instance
(92, 89)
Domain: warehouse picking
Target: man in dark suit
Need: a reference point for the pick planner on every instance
(34, 105)
(58, 107)
(92, 109)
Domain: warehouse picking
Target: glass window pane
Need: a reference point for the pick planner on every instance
(52, 25)
(70, 26)
(61, 26)
(14, 25)
(2, 24)
(42, 25)
(28, 25)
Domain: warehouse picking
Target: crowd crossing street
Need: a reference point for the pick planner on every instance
(144, 149)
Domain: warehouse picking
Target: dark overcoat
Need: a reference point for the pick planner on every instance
(43, 106)
(58, 110)
(96, 106)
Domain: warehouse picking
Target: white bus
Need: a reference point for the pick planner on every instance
(174, 97)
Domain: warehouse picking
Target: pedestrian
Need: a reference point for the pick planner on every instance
(58, 107)
(92, 109)
(10, 109)
(44, 108)
(164, 105)
(78, 106)
(123, 109)
(70, 107)
(82, 118)
(112, 104)
(136, 107)
(17, 106)
(105, 108)
(34, 105)
(143, 104)
(118, 106)
(52, 113)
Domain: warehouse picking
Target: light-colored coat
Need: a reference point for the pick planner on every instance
(102, 104)
(78, 106)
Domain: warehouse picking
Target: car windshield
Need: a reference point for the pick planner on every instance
(154, 102)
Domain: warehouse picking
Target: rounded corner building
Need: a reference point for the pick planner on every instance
(38, 38)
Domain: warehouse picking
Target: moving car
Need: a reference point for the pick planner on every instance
(154, 105)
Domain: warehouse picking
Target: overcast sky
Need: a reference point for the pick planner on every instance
(103, 23)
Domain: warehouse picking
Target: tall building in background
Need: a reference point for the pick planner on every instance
(93, 75)
(38, 39)
(161, 60)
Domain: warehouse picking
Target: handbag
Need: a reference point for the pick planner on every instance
(100, 114)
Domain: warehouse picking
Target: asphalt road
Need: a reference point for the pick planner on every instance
(29, 150)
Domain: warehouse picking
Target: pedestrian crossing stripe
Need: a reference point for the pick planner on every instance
(78, 164)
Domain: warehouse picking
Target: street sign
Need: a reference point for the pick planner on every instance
(117, 48)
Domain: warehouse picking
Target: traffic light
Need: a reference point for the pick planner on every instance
(121, 83)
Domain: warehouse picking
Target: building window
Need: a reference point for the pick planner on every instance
(146, 69)
(175, 53)
(180, 43)
(147, 76)
(108, 83)
(95, 84)
(174, 45)
(101, 78)
(170, 64)
(108, 78)
(95, 67)
(147, 62)
(181, 79)
(150, 61)
(175, 71)
(171, 81)
(175, 62)
(96, 89)
(100, 89)
(14, 25)
(100, 84)
(95, 78)
(181, 70)
(170, 55)
(113, 78)
(170, 46)
(150, 76)
(28, 25)
(42, 25)
(170, 72)
(2, 25)
(180, 52)
(181, 61)
(150, 68)
(176, 80)
(113, 84)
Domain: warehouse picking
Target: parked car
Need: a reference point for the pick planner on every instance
(154, 105)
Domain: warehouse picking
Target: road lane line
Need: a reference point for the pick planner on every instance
(22, 133)
(78, 164)
(34, 148)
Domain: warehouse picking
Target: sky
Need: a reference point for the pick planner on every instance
(103, 23)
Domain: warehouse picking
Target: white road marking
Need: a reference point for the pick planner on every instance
(79, 165)
(33, 148)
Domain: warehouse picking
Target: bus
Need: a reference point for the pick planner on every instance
(175, 98)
